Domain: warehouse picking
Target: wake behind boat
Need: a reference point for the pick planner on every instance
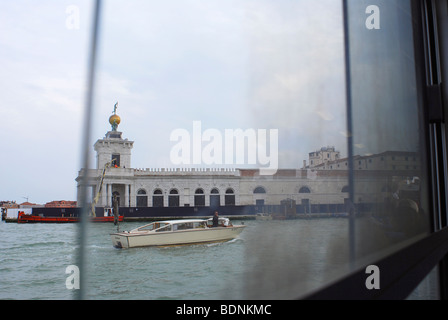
(177, 232)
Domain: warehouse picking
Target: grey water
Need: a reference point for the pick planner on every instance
(270, 259)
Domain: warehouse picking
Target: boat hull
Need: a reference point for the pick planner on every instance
(25, 218)
(172, 238)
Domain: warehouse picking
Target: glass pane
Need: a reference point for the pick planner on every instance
(389, 191)
(242, 96)
(248, 96)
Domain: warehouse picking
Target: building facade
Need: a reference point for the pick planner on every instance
(324, 182)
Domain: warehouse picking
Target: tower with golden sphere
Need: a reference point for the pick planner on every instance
(118, 181)
(113, 147)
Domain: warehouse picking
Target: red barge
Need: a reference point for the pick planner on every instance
(28, 218)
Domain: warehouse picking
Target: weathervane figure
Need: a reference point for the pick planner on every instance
(114, 119)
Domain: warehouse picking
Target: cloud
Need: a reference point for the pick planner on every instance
(296, 73)
(43, 82)
(252, 64)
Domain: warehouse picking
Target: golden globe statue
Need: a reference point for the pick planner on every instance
(114, 119)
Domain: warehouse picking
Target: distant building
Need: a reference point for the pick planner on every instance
(8, 204)
(323, 156)
(27, 204)
(388, 160)
(61, 204)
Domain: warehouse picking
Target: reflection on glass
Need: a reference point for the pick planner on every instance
(389, 191)
(240, 107)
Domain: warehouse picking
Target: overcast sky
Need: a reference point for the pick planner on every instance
(228, 64)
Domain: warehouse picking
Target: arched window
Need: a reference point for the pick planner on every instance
(173, 198)
(214, 198)
(157, 198)
(142, 198)
(304, 190)
(229, 199)
(260, 190)
(199, 197)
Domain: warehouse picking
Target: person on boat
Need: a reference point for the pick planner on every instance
(215, 220)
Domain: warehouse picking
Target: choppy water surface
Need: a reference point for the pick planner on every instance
(33, 259)
(270, 259)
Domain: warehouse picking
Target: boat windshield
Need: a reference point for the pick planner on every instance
(189, 225)
(166, 227)
(153, 226)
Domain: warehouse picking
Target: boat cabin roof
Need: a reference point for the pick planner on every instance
(160, 225)
(188, 220)
(182, 221)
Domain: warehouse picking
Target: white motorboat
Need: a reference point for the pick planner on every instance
(177, 232)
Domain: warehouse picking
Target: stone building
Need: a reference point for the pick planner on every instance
(323, 156)
(323, 183)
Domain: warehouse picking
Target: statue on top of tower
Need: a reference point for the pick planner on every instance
(114, 119)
